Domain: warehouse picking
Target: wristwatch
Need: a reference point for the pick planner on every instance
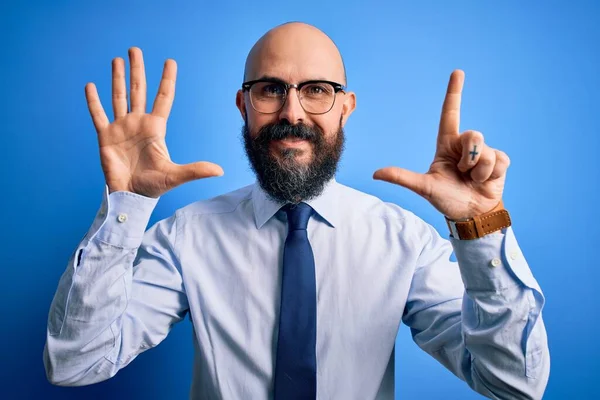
(481, 225)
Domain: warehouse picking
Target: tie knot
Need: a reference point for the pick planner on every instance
(298, 215)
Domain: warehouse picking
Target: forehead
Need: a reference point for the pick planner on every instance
(295, 59)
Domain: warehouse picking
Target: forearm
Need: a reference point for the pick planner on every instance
(86, 316)
(505, 351)
(481, 316)
(485, 348)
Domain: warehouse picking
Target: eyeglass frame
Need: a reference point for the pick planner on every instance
(337, 87)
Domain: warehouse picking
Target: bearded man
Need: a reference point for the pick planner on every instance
(296, 285)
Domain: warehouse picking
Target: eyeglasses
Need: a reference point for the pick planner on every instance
(268, 95)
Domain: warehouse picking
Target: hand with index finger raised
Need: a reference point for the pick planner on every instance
(466, 177)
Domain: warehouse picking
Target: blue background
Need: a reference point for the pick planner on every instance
(532, 88)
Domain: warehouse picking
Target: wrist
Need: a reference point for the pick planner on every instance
(499, 206)
(480, 225)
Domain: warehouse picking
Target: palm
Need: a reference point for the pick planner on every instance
(456, 194)
(133, 151)
(461, 182)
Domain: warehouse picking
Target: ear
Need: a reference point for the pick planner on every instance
(240, 103)
(348, 106)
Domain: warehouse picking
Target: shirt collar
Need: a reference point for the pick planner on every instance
(326, 204)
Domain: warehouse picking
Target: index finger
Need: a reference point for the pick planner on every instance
(97, 113)
(166, 90)
(450, 119)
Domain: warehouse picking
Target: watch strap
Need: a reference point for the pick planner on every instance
(481, 225)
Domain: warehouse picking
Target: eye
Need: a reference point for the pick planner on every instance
(273, 89)
(317, 89)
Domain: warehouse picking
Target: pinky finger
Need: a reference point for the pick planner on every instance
(502, 163)
(97, 113)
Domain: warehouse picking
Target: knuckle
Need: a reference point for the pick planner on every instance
(136, 86)
(486, 162)
(472, 135)
(480, 174)
(165, 90)
(162, 95)
(168, 83)
(502, 157)
(477, 136)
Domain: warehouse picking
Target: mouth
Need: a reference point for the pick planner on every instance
(290, 142)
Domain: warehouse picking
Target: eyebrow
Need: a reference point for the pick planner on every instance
(275, 79)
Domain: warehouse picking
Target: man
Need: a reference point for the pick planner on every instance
(296, 285)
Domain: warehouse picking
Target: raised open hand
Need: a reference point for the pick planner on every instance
(133, 151)
(466, 177)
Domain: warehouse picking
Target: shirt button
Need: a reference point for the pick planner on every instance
(514, 255)
(122, 217)
(495, 262)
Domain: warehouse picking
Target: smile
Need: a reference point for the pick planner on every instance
(290, 142)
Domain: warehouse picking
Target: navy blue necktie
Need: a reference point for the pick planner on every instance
(296, 363)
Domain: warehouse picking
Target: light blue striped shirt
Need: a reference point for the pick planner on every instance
(219, 261)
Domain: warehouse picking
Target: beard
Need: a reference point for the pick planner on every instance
(283, 178)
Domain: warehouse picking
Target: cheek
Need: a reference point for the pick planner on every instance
(257, 121)
(330, 125)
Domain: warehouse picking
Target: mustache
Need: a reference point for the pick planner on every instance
(284, 130)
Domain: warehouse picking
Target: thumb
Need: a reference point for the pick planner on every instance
(411, 180)
(180, 174)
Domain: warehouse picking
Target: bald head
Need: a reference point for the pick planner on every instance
(292, 141)
(295, 52)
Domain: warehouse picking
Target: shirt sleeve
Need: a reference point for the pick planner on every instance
(480, 317)
(120, 294)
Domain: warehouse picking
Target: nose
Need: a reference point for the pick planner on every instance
(292, 110)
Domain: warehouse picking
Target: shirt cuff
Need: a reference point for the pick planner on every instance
(122, 219)
(493, 262)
